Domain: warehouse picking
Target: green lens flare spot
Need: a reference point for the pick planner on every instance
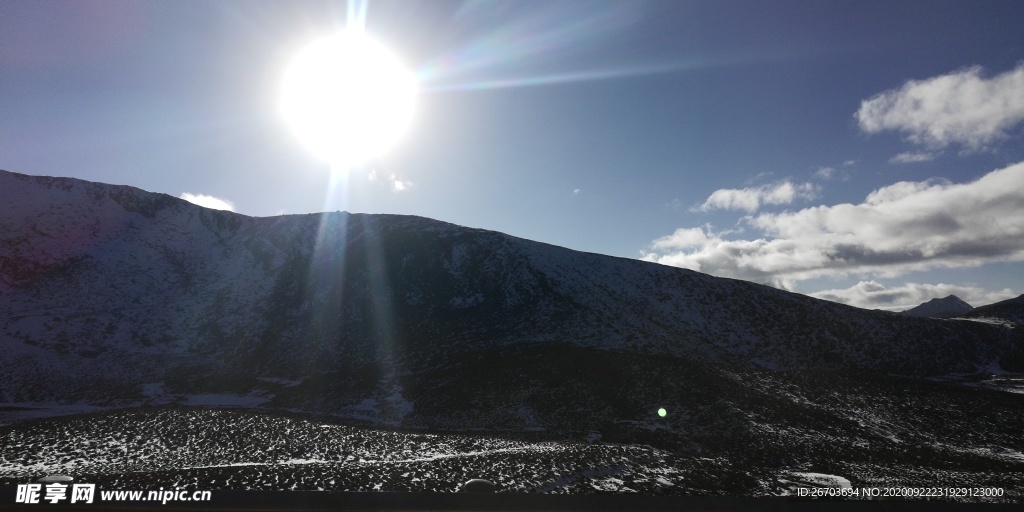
(662, 412)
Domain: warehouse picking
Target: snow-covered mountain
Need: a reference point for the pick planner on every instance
(1009, 310)
(113, 295)
(946, 307)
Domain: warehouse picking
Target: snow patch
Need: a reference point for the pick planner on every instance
(988, 320)
(398, 406)
(820, 479)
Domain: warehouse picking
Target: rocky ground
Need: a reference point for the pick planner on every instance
(771, 435)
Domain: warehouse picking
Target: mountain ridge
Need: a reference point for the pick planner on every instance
(110, 289)
(1009, 310)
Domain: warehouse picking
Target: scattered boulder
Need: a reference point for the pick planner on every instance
(478, 485)
(55, 479)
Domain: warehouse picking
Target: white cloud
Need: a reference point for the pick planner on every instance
(576, 191)
(825, 173)
(752, 198)
(874, 295)
(674, 204)
(848, 163)
(399, 185)
(683, 238)
(961, 107)
(911, 157)
(901, 228)
(206, 201)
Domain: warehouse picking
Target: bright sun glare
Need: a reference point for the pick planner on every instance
(347, 98)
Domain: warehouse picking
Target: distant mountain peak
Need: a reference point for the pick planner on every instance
(945, 307)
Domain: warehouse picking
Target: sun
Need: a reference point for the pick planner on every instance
(347, 98)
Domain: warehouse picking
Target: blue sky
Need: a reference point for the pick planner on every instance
(861, 151)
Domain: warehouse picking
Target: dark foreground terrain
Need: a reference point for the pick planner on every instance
(771, 434)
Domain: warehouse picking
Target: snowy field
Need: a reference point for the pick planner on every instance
(210, 449)
(218, 449)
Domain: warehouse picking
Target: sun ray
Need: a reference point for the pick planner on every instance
(356, 14)
(325, 285)
(563, 78)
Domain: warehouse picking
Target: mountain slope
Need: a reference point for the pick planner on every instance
(112, 294)
(1009, 310)
(945, 307)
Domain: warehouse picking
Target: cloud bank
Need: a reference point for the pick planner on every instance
(874, 295)
(206, 201)
(904, 227)
(751, 199)
(959, 108)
